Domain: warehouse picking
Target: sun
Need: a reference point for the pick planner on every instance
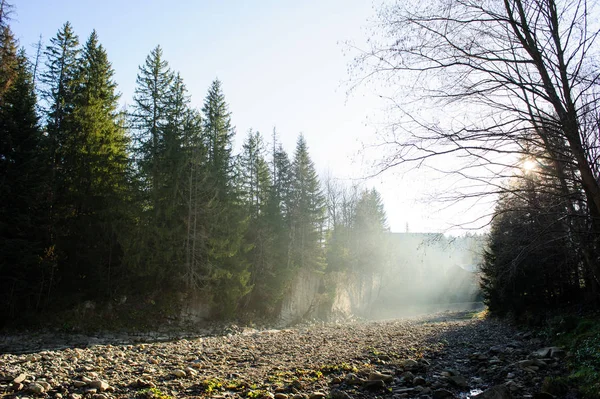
(529, 165)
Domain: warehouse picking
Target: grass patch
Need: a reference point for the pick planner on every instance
(581, 337)
(153, 393)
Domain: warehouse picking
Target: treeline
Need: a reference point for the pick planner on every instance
(543, 245)
(100, 203)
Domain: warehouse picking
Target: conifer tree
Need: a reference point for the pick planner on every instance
(98, 161)
(25, 253)
(307, 214)
(369, 227)
(225, 223)
(256, 188)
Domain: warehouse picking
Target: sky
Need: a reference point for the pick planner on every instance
(283, 64)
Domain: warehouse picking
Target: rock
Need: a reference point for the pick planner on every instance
(268, 395)
(408, 377)
(91, 391)
(36, 388)
(495, 392)
(353, 379)
(46, 385)
(144, 384)
(543, 395)
(558, 353)
(317, 395)
(375, 376)
(401, 391)
(551, 351)
(74, 396)
(17, 386)
(20, 378)
(99, 385)
(338, 394)
(179, 373)
(374, 384)
(525, 363)
(459, 381)
(497, 349)
(79, 384)
(409, 364)
(280, 395)
(442, 394)
(419, 381)
(86, 380)
(99, 396)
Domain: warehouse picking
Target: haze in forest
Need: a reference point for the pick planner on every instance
(284, 66)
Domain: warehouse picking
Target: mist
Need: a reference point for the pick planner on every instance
(427, 273)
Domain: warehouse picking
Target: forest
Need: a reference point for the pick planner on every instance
(148, 205)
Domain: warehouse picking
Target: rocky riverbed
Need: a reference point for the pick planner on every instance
(446, 356)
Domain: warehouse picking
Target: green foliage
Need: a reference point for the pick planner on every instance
(26, 255)
(153, 393)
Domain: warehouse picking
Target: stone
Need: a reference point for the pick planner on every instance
(551, 351)
(409, 364)
(353, 379)
(99, 396)
(442, 394)
(339, 394)
(74, 396)
(179, 373)
(495, 392)
(459, 381)
(543, 395)
(375, 376)
(419, 381)
(46, 385)
(317, 395)
(408, 377)
(280, 395)
(100, 385)
(525, 363)
(17, 386)
(86, 380)
(374, 384)
(79, 384)
(268, 395)
(20, 378)
(36, 388)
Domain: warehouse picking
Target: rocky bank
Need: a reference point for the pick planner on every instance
(446, 356)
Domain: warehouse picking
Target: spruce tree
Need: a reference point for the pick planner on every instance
(307, 214)
(225, 221)
(98, 161)
(26, 263)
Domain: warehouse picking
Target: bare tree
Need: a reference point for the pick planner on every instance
(493, 83)
(498, 70)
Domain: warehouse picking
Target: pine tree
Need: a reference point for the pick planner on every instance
(26, 266)
(59, 80)
(162, 121)
(98, 162)
(368, 232)
(225, 222)
(256, 189)
(307, 212)
(151, 107)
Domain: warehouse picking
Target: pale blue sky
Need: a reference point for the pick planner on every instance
(282, 64)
